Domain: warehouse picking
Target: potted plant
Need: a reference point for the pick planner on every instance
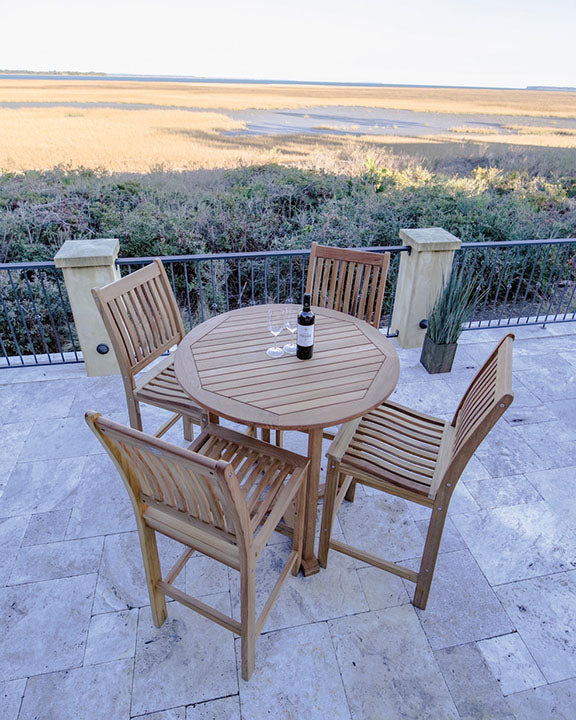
(451, 310)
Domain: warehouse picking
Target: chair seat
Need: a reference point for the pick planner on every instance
(398, 446)
(160, 387)
(264, 471)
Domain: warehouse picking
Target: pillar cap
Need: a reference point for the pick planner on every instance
(87, 253)
(430, 239)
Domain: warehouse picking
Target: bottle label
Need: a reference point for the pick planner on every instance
(305, 335)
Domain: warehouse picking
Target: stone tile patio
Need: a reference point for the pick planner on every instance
(498, 639)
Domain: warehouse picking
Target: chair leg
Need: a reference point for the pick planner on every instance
(330, 490)
(428, 563)
(351, 492)
(266, 434)
(279, 437)
(248, 616)
(298, 531)
(188, 428)
(134, 413)
(153, 574)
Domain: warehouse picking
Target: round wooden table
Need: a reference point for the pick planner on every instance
(223, 366)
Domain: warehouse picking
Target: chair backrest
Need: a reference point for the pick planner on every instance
(141, 316)
(487, 398)
(351, 281)
(194, 488)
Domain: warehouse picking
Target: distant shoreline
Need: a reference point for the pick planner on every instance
(24, 75)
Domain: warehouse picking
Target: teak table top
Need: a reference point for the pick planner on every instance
(223, 366)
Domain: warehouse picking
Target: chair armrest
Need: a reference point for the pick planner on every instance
(343, 437)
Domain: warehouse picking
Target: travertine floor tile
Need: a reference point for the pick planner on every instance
(41, 486)
(511, 663)
(187, 660)
(550, 377)
(111, 636)
(60, 438)
(518, 541)
(382, 525)
(43, 626)
(331, 593)
(495, 492)
(504, 452)
(296, 676)
(205, 576)
(57, 560)
(121, 581)
(432, 395)
(12, 438)
(87, 693)
(47, 527)
(19, 403)
(382, 589)
(556, 701)
(461, 606)
(554, 442)
(172, 714)
(378, 653)
(11, 533)
(543, 610)
(558, 488)
(473, 687)
(11, 694)
(222, 709)
(102, 505)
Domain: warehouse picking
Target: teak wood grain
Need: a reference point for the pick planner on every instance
(223, 366)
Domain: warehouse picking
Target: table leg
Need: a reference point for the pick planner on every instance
(310, 564)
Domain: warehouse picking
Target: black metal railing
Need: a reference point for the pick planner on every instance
(206, 285)
(528, 282)
(36, 323)
(531, 282)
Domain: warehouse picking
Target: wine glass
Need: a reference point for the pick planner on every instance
(275, 325)
(291, 324)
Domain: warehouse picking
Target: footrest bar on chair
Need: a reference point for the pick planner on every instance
(374, 560)
(168, 424)
(201, 608)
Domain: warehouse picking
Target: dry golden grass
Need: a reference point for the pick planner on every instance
(139, 140)
(535, 130)
(37, 138)
(475, 131)
(533, 137)
(267, 96)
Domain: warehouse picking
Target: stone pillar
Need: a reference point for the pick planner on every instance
(87, 264)
(420, 277)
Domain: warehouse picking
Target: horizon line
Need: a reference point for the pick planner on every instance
(93, 75)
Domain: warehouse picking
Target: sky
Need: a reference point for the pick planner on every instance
(493, 43)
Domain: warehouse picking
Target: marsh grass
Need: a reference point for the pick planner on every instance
(269, 96)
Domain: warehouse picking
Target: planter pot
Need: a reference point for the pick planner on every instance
(437, 358)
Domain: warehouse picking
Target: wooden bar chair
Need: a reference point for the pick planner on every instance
(143, 321)
(416, 457)
(223, 496)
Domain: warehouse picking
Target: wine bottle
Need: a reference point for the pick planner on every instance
(306, 319)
